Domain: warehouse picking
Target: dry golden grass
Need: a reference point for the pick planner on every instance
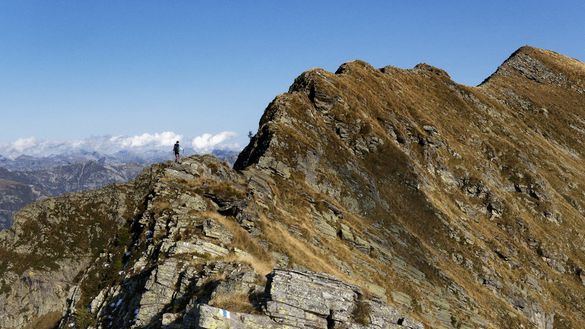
(223, 190)
(160, 205)
(362, 313)
(218, 276)
(300, 252)
(235, 302)
(260, 267)
(258, 257)
(47, 321)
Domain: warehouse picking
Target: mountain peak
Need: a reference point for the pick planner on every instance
(541, 66)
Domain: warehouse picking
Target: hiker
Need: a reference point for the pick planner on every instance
(177, 150)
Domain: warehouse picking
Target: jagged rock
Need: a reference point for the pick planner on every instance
(169, 320)
(532, 68)
(361, 243)
(216, 318)
(200, 248)
(308, 300)
(312, 300)
(214, 230)
(185, 203)
(296, 298)
(402, 299)
(325, 228)
(96, 303)
(159, 292)
(179, 174)
(345, 233)
(241, 280)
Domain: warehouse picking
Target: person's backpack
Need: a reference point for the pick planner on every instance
(176, 148)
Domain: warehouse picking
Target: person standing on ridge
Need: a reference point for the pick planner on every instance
(177, 150)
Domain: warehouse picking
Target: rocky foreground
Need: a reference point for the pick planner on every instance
(368, 198)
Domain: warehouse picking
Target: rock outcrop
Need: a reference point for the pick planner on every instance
(300, 299)
(368, 198)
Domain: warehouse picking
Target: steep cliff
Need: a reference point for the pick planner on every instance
(426, 203)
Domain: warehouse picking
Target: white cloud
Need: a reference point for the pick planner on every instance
(208, 142)
(157, 142)
(166, 138)
(22, 144)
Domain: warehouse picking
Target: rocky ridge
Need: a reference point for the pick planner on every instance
(426, 202)
(26, 179)
(189, 255)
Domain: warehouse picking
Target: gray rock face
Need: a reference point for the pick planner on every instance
(300, 299)
(216, 318)
(308, 299)
(534, 69)
(313, 300)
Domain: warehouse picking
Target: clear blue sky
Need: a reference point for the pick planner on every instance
(70, 69)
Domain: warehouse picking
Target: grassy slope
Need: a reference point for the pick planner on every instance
(497, 145)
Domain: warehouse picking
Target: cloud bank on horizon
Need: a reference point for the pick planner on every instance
(113, 144)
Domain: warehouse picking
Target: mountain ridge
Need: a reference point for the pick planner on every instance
(33, 178)
(461, 207)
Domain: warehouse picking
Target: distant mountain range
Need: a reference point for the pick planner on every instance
(143, 146)
(26, 178)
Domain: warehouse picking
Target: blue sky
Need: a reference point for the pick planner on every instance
(72, 69)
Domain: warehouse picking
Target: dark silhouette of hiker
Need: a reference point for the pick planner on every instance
(177, 150)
